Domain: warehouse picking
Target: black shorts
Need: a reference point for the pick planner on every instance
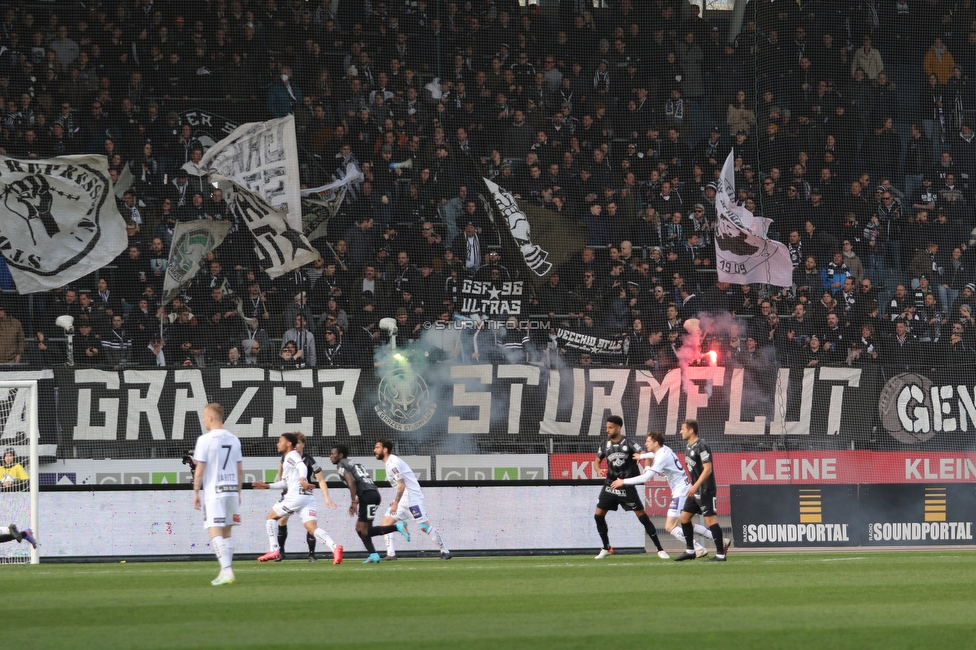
(704, 503)
(368, 504)
(626, 497)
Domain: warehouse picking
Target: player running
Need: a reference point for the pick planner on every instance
(703, 493)
(15, 535)
(219, 472)
(619, 453)
(364, 494)
(667, 464)
(298, 499)
(314, 474)
(409, 500)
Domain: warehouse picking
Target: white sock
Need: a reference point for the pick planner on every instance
(229, 546)
(433, 534)
(272, 528)
(678, 534)
(323, 537)
(704, 532)
(220, 550)
(388, 540)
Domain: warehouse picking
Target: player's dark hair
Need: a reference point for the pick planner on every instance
(657, 437)
(342, 450)
(692, 424)
(616, 419)
(387, 444)
(291, 437)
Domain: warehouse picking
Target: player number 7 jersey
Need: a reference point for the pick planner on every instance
(221, 451)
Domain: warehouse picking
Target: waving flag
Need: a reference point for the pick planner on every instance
(743, 253)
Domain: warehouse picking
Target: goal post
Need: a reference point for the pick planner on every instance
(19, 434)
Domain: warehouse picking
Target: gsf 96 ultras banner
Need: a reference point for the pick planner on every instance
(853, 515)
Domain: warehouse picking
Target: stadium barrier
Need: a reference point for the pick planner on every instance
(120, 524)
(924, 514)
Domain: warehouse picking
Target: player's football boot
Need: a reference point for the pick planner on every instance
(701, 552)
(270, 555)
(312, 558)
(281, 556)
(445, 555)
(390, 558)
(374, 558)
(337, 555)
(603, 553)
(29, 536)
(225, 577)
(716, 559)
(402, 527)
(663, 555)
(687, 555)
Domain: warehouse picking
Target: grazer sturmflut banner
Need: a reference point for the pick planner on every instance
(468, 408)
(60, 222)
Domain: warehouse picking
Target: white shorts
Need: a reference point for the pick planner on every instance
(674, 508)
(221, 512)
(302, 504)
(407, 511)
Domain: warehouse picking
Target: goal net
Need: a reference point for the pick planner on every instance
(19, 468)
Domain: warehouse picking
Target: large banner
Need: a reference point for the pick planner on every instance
(60, 223)
(530, 409)
(14, 405)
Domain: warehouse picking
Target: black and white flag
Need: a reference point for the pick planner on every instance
(61, 221)
(257, 167)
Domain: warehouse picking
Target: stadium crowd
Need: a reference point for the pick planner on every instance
(850, 123)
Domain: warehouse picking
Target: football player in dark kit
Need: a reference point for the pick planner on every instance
(702, 495)
(364, 495)
(619, 453)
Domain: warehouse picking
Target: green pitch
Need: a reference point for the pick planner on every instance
(871, 600)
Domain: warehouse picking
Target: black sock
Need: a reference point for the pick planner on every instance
(368, 543)
(601, 527)
(719, 543)
(376, 531)
(689, 531)
(651, 530)
(310, 538)
(282, 536)
(6, 538)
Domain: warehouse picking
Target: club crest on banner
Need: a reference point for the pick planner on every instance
(190, 247)
(404, 400)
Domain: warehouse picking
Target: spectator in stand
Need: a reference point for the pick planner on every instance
(11, 337)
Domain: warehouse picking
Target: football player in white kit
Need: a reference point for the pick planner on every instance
(667, 463)
(409, 500)
(219, 472)
(297, 500)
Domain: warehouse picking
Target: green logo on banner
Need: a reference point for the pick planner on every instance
(380, 475)
(506, 473)
(270, 475)
(163, 478)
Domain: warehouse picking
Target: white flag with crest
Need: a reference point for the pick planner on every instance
(743, 253)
